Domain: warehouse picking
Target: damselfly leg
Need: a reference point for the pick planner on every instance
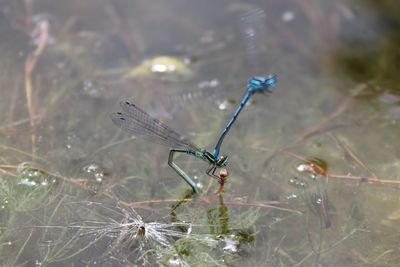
(178, 170)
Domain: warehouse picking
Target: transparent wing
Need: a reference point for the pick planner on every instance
(134, 120)
(253, 25)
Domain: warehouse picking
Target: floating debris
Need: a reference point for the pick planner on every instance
(315, 166)
(160, 65)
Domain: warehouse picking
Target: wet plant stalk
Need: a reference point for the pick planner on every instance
(30, 64)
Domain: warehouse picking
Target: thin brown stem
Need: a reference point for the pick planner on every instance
(352, 154)
(30, 64)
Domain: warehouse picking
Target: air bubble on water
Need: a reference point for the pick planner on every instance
(31, 176)
(71, 136)
(297, 182)
(231, 245)
(238, 241)
(199, 185)
(288, 16)
(22, 167)
(250, 32)
(301, 167)
(99, 177)
(176, 261)
(188, 96)
(91, 168)
(95, 173)
(241, 199)
(223, 105)
(92, 89)
(214, 83)
(87, 85)
(208, 84)
(27, 182)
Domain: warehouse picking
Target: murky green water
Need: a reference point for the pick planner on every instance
(313, 166)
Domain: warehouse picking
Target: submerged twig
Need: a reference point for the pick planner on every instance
(30, 64)
(361, 179)
(352, 154)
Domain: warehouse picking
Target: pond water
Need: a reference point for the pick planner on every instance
(313, 165)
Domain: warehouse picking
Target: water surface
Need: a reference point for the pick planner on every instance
(313, 166)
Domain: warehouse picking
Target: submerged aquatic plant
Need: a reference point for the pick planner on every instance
(130, 228)
(117, 231)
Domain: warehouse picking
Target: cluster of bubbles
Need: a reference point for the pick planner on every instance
(95, 175)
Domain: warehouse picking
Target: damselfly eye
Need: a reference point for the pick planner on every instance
(222, 161)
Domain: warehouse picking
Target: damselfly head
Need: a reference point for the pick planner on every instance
(261, 84)
(218, 162)
(222, 161)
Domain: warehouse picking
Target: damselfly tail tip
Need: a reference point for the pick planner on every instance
(261, 84)
(117, 118)
(126, 103)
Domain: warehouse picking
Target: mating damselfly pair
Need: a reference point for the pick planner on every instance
(136, 121)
